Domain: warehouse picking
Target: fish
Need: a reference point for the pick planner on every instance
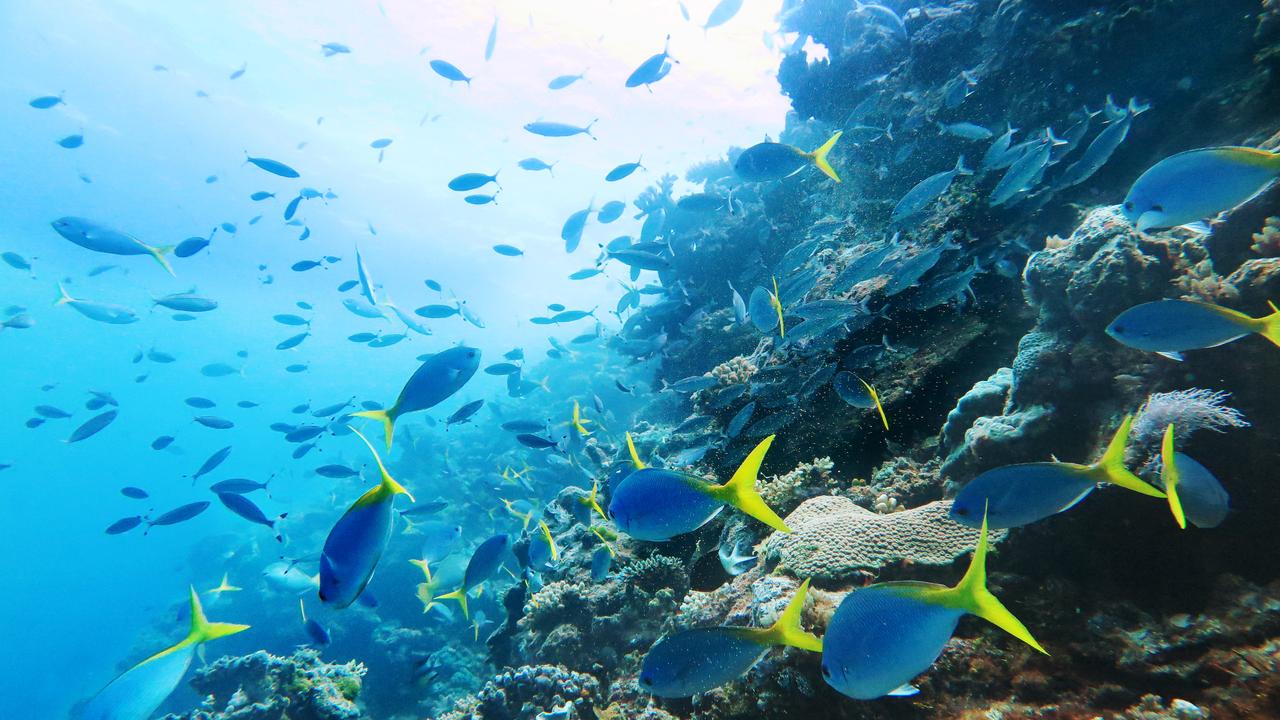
(138, 692)
(162, 442)
(124, 525)
(863, 396)
(601, 562)
(543, 552)
(1170, 327)
(211, 463)
(15, 261)
(135, 493)
(534, 164)
(101, 312)
(471, 181)
(652, 69)
(332, 48)
(180, 514)
(694, 383)
(765, 310)
(926, 191)
(217, 370)
(508, 250)
(247, 509)
(71, 142)
(292, 208)
(480, 199)
(503, 368)
(318, 633)
(99, 238)
(623, 171)
(449, 71)
(640, 260)
(380, 143)
(1023, 173)
(701, 203)
(438, 378)
(734, 559)
(275, 167)
(215, 422)
(92, 426)
(18, 322)
(722, 13)
(360, 308)
(656, 505)
(885, 16)
(774, 161)
(695, 661)
(464, 413)
(1195, 185)
(571, 231)
(239, 486)
(740, 420)
(1016, 495)
(558, 129)
(610, 211)
(292, 342)
(186, 302)
(998, 155)
(485, 561)
(201, 403)
(51, 412)
(883, 635)
(356, 542)
(1193, 492)
(287, 319)
(366, 283)
(44, 102)
(965, 131)
(1097, 154)
(287, 577)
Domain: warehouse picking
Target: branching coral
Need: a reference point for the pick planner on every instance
(1188, 411)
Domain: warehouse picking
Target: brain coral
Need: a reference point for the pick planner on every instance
(833, 539)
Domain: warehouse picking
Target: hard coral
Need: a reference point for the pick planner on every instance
(261, 686)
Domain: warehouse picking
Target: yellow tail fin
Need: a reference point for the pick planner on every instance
(1111, 469)
(787, 629)
(159, 254)
(202, 631)
(64, 297)
(819, 156)
(875, 397)
(972, 596)
(635, 457)
(1271, 324)
(776, 302)
(459, 595)
(383, 416)
(426, 569)
(389, 486)
(550, 540)
(592, 501)
(1169, 474)
(740, 491)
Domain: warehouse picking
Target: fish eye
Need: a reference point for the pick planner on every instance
(826, 671)
(962, 511)
(1128, 205)
(1118, 328)
(1158, 208)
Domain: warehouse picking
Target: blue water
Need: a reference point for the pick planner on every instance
(81, 600)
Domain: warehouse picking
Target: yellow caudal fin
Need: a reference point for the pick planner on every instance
(550, 540)
(389, 487)
(787, 629)
(459, 595)
(635, 457)
(819, 156)
(1111, 468)
(1271, 324)
(1169, 475)
(593, 502)
(426, 568)
(385, 417)
(202, 631)
(159, 254)
(972, 596)
(740, 491)
(875, 397)
(776, 302)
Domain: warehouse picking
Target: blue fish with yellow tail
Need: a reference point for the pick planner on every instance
(485, 561)
(775, 161)
(358, 539)
(439, 377)
(1195, 495)
(885, 634)
(1016, 495)
(695, 661)
(1198, 184)
(657, 504)
(136, 693)
(1170, 327)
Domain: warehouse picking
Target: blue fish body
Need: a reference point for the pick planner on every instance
(882, 636)
(656, 504)
(1173, 326)
(438, 378)
(1204, 500)
(136, 693)
(698, 660)
(356, 542)
(1198, 184)
(1017, 495)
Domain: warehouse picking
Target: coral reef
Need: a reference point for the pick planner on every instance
(262, 686)
(835, 541)
(526, 692)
